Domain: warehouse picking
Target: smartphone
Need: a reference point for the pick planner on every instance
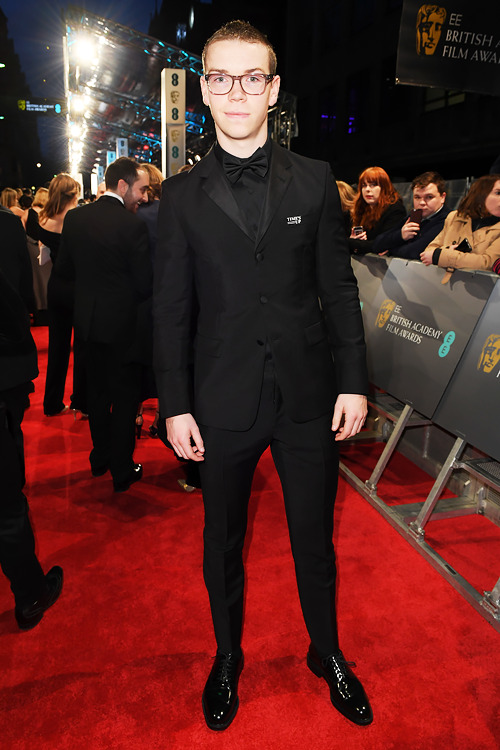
(357, 230)
(416, 215)
(464, 246)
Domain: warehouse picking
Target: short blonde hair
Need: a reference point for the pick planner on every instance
(241, 31)
(41, 197)
(8, 197)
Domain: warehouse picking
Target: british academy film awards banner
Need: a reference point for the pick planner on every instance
(173, 120)
(454, 44)
(470, 407)
(416, 328)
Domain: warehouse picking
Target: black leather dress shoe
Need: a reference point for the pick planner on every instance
(98, 471)
(31, 614)
(220, 696)
(346, 691)
(134, 476)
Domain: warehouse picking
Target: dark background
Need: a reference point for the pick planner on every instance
(337, 56)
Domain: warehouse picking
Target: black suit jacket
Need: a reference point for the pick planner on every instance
(250, 292)
(18, 357)
(104, 248)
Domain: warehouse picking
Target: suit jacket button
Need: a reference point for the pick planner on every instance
(260, 343)
(259, 257)
(263, 299)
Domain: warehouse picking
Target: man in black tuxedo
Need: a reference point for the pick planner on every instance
(255, 234)
(104, 248)
(33, 591)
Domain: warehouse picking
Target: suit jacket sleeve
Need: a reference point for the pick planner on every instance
(338, 292)
(389, 239)
(172, 308)
(15, 260)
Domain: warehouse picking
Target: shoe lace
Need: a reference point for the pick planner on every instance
(339, 665)
(226, 668)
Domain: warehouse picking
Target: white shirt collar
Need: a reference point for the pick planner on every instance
(114, 195)
(435, 212)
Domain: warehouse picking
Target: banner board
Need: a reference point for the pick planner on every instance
(470, 407)
(452, 44)
(40, 106)
(416, 328)
(173, 120)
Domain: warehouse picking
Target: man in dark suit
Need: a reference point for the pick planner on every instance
(104, 248)
(33, 591)
(411, 237)
(256, 234)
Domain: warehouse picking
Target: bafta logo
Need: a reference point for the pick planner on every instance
(21, 104)
(175, 135)
(174, 97)
(430, 20)
(490, 355)
(384, 313)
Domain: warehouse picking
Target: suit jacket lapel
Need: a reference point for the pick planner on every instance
(218, 190)
(279, 179)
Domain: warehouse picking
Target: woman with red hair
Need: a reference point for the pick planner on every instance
(377, 208)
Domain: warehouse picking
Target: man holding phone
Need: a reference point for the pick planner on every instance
(423, 223)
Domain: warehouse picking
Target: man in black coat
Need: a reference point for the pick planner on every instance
(410, 237)
(104, 248)
(33, 591)
(256, 234)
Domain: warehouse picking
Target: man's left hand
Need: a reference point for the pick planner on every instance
(349, 415)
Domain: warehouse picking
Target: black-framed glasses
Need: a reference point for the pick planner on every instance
(251, 83)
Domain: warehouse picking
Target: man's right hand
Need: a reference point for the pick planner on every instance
(180, 430)
(409, 230)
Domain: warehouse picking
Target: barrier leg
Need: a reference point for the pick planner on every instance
(389, 449)
(417, 526)
(491, 600)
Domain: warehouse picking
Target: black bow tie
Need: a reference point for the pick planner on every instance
(234, 167)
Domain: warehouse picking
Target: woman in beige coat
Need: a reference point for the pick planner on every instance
(470, 237)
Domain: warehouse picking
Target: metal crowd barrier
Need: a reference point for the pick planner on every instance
(434, 362)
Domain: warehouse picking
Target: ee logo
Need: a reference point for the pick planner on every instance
(446, 345)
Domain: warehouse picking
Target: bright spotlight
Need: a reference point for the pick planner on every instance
(77, 104)
(85, 50)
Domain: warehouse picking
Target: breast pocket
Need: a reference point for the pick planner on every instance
(208, 346)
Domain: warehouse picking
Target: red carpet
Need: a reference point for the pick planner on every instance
(120, 661)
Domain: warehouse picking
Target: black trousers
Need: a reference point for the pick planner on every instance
(113, 395)
(306, 458)
(60, 329)
(17, 545)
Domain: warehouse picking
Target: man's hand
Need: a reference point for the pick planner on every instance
(426, 257)
(409, 230)
(349, 415)
(180, 430)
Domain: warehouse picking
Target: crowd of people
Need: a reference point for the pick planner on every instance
(235, 370)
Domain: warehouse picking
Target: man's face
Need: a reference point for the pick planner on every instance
(240, 119)
(137, 193)
(428, 198)
(430, 32)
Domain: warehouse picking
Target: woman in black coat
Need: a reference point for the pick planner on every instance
(377, 208)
